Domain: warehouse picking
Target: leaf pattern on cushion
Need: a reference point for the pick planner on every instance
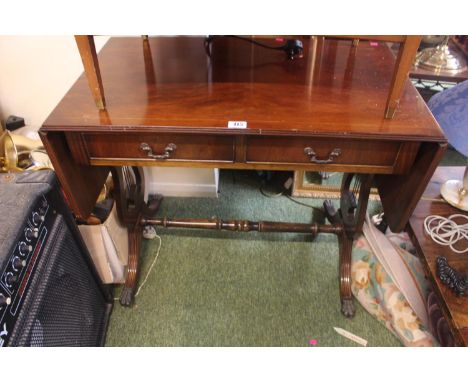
(375, 290)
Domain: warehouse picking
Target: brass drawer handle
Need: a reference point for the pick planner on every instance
(313, 156)
(167, 151)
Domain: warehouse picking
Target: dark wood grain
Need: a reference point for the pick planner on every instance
(243, 225)
(400, 193)
(81, 184)
(167, 90)
(389, 38)
(200, 150)
(406, 54)
(129, 196)
(455, 308)
(354, 152)
(189, 147)
(168, 87)
(346, 296)
(189, 92)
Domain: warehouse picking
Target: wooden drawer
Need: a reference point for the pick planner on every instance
(128, 146)
(345, 154)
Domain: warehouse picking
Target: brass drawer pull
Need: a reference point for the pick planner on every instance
(167, 151)
(313, 156)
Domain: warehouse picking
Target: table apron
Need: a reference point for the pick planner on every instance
(285, 153)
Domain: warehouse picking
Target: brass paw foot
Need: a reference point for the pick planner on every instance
(126, 296)
(347, 307)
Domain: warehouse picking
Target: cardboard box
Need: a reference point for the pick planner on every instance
(108, 245)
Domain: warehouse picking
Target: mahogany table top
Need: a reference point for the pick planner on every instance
(173, 84)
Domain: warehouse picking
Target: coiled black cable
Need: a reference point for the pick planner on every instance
(450, 277)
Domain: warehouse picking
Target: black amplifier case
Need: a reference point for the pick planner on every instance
(50, 293)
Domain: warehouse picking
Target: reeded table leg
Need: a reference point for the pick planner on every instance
(134, 244)
(129, 193)
(346, 223)
(346, 296)
(353, 206)
(129, 289)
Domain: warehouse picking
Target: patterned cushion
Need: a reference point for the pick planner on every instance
(374, 288)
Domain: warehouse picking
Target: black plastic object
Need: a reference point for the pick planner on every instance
(13, 122)
(450, 277)
(51, 292)
(292, 48)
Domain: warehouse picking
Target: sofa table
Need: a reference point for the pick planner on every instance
(245, 107)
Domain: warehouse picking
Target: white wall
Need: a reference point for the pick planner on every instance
(175, 181)
(37, 71)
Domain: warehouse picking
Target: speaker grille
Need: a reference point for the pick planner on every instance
(64, 305)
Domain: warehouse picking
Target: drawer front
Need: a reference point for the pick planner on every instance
(159, 147)
(322, 151)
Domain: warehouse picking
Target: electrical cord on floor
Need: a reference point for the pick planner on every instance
(263, 192)
(268, 195)
(150, 268)
(303, 204)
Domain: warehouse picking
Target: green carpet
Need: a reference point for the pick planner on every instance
(240, 289)
(453, 158)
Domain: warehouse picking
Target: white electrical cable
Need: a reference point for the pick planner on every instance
(150, 268)
(445, 231)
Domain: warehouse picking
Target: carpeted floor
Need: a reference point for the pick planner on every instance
(240, 289)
